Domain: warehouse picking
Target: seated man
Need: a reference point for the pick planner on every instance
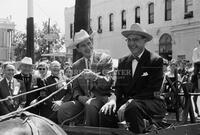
(91, 90)
(10, 86)
(139, 78)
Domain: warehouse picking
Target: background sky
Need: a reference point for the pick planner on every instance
(43, 9)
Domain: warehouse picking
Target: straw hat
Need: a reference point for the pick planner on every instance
(136, 29)
(79, 37)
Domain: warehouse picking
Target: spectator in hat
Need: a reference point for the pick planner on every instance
(31, 81)
(134, 98)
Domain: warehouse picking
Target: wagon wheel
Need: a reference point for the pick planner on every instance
(175, 103)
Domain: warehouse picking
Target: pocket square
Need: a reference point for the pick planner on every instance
(145, 74)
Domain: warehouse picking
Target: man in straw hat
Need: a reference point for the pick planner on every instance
(135, 90)
(31, 82)
(91, 90)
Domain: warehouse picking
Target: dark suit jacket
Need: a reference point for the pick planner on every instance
(7, 107)
(147, 78)
(102, 63)
(34, 83)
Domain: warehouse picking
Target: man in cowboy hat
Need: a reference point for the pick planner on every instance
(135, 90)
(31, 82)
(91, 90)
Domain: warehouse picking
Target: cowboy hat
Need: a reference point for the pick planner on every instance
(79, 37)
(136, 29)
(27, 61)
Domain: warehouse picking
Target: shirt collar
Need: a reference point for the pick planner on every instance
(138, 57)
(141, 54)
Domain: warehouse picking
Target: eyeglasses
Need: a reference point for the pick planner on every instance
(42, 69)
(133, 39)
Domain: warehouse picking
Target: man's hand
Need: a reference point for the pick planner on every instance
(89, 75)
(83, 99)
(56, 105)
(120, 112)
(109, 107)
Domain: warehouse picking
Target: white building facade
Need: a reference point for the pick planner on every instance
(6, 30)
(174, 24)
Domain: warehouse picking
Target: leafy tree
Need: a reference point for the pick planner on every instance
(42, 46)
(19, 43)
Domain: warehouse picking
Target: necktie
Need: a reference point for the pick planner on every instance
(10, 88)
(9, 84)
(133, 57)
(89, 83)
(88, 63)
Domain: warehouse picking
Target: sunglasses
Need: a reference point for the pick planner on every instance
(42, 69)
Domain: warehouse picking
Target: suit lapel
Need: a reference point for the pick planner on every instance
(5, 88)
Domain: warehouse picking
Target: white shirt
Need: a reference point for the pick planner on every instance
(134, 64)
(196, 54)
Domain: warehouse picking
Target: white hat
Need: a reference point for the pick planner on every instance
(80, 37)
(136, 29)
(27, 61)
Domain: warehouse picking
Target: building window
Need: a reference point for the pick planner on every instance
(71, 30)
(151, 13)
(123, 19)
(137, 15)
(165, 46)
(99, 24)
(188, 9)
(168, 10)
(111, 22)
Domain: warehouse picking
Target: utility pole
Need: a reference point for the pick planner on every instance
(30, 31)
(81, 20)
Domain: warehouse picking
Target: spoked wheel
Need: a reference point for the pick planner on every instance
(175, 103)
